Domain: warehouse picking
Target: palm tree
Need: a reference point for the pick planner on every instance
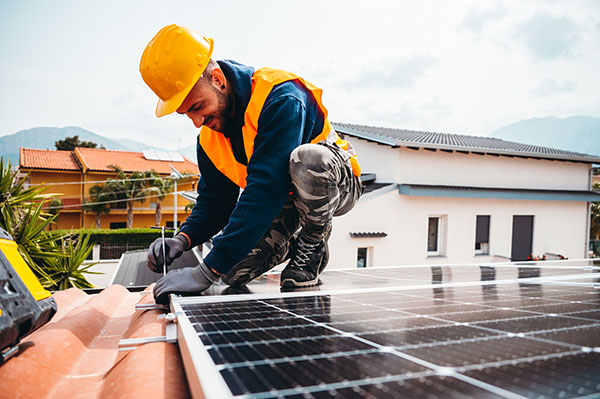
(130, 188)
(54, 207)
(98, 202)
(159, 187)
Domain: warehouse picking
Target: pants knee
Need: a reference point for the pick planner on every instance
(308, 158)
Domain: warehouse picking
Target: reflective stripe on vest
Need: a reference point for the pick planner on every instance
(218, 148)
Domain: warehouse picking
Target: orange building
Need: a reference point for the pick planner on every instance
(71, 174)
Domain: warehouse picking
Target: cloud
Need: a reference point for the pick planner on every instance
(396, 73)
(550, 86)
(548, 37)
(476, 19)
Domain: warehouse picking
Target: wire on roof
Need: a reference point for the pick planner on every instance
(104, 181)
(107, 202)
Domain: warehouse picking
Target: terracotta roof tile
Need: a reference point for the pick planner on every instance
(47, 159)
(76, 354)
(96, 159)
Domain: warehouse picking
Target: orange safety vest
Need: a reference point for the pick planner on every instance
(218, 148)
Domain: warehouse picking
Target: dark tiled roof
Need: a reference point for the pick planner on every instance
(370, 187)
(457, 142)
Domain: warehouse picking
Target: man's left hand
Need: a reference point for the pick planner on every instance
(189, 280)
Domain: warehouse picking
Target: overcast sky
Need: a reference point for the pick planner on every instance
(465, 67)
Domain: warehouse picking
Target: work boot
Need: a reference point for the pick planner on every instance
(307, 262)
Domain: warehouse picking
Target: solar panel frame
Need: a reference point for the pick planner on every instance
(527, 289)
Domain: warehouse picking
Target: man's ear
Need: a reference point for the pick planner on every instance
(218, 78)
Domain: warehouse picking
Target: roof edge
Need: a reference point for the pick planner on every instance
(427, 190)
(394, 143)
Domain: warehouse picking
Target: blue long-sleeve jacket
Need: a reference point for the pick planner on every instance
(290, 117)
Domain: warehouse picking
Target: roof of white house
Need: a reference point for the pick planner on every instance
(457, 142)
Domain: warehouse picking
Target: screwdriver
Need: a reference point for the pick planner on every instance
(162, 236)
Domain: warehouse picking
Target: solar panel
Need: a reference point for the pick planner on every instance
(420, 331)
(132, 270)
(156, 155)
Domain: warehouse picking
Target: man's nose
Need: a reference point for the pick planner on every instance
(198, 120)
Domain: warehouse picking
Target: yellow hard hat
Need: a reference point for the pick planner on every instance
(172, 63)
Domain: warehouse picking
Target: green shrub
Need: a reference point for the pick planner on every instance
(133, 237)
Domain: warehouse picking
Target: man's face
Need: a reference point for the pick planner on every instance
(208, 105)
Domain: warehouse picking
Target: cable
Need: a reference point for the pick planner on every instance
(106, 202)
(104, 181)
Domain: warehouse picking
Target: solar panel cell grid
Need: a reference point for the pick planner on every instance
(511, 339)
(423, 387)
(557, 377)
(316, 372)
(481, 351)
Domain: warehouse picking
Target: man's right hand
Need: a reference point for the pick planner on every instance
(174, 247)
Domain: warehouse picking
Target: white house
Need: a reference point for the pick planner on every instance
(461, 199)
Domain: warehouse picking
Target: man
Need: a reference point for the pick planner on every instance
(264, 131)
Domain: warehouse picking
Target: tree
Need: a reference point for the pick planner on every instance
(70, 143)
(130, 188)
(159, 188)
(98, 202)
(54, 208)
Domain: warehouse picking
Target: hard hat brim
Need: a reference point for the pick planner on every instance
(172, 104)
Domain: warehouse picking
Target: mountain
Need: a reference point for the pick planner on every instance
(45, 137)
(576, 133)
(133, 145)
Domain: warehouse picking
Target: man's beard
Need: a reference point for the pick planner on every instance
(226, 107)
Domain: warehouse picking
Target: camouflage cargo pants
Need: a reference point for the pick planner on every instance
(323, 187)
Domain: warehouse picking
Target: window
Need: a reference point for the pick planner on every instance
(435, 239)
(482, 235)
(169, 224)
(118, 225)
(361, 258)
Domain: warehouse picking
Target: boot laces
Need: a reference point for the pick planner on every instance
(304, 251)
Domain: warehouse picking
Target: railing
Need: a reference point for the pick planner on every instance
(113, 251)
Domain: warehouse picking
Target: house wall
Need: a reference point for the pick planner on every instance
(71, 217)
(457, 169)
(376, 158)
(51, 178)
(143, 212)
(559, 227)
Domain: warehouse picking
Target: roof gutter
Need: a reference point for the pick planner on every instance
(501, 193)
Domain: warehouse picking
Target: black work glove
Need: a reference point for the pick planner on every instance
(189, 280)
(174, 247)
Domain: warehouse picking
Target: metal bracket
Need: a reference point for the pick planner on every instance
(10, 352)
(151, 306)
(170, 336)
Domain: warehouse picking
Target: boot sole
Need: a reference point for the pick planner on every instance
(288, 282)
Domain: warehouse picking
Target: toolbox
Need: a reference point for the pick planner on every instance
(25, 305)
